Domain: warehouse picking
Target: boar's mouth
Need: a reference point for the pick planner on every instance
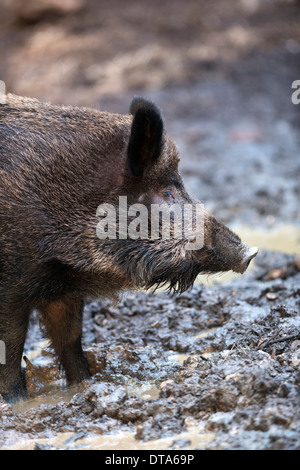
(212, 262)
(179, 276)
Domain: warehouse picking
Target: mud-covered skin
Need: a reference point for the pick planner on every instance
(57, 165)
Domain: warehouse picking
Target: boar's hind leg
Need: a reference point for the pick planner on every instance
(63, 322)
(13, 329)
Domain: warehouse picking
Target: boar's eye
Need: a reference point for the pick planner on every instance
(169, 194)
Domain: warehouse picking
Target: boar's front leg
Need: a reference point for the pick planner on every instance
(63, 322)
(13, 329)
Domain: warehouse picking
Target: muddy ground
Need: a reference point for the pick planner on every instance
(216, 367)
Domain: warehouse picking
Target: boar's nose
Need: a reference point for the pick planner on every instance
(249, 255)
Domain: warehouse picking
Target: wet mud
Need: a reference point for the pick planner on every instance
(216, 367)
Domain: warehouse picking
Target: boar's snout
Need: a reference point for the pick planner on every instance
(249, 255)
(223, 249)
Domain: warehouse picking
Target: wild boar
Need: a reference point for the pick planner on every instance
(58, 165)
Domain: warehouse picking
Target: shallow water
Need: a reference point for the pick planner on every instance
(284, 238)
(122, 440)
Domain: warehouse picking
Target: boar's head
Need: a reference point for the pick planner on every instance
(151, 178)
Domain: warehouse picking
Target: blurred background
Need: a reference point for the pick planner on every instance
(221, 71)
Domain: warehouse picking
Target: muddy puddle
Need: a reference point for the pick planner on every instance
(118, 441)
(285, 238)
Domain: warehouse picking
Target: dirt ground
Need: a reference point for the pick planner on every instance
(216, 367)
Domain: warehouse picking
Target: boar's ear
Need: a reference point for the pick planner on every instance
(146, 138)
